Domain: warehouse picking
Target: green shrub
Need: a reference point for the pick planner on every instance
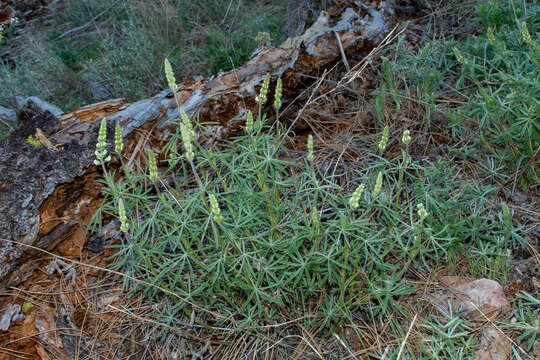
(253, 239)
(495, 79)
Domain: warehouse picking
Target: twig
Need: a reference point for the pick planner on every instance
(406, 337)
(7, 124)
(82, 27)
(344, 345)
(343, 57)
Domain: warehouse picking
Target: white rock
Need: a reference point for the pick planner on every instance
(8, 115)
(494, 345)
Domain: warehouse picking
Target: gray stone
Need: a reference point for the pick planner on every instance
(31, 106)
(97, 87)
(10, 314)
(494, 345)
(8, 115)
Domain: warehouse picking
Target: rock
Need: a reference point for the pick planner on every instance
(8, 115)
(11, 313)
(475, 300)
(31, 106)
(97, 87)
(494, 345)
(472, 297)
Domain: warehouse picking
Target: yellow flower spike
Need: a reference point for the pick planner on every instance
(458, 55)
(118, 140)
(102, 135)
(187, 122)
(185, 118)
(101, 146)
(525, 35)
(310, 148)
(378, 185)
(277, 94)
(152, 164)
(249, 122)
(214, 208)
(384, 139)
(261, 99)
(188, 134)
(187, 141)
(505, 209)
(491, 36)
(406, 137)
(422, 213)
(354, 201)
(122, 216)
(169, 74)
(315, 216)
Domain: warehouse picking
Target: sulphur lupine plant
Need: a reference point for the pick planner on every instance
(239, 236)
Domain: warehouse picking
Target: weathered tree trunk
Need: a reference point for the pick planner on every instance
(48, 196)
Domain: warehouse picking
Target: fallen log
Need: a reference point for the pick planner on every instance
(48, 197)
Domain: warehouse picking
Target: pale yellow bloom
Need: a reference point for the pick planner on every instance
(354, 201)
(384, 139)
(214, 208)
(310, 148)
(169, 74)
(406, 137)
(422, 213)
(118, 142)
(122, 216)
(378, 185)
(152, 165)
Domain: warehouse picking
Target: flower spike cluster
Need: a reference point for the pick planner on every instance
(101, 146)
(188, 134)
(384, 139)
(422, 213)
(315, 216)
(152, 164)
(214, 208)
(118, 142)
(249, 122)
(406, 137)
(525, 35)
(354, 202)
(310, 148)
(122, 216)
(458, 55)
(491, 36)
(261, 98)
(277, 94)
(378, 185)
(169, 74)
